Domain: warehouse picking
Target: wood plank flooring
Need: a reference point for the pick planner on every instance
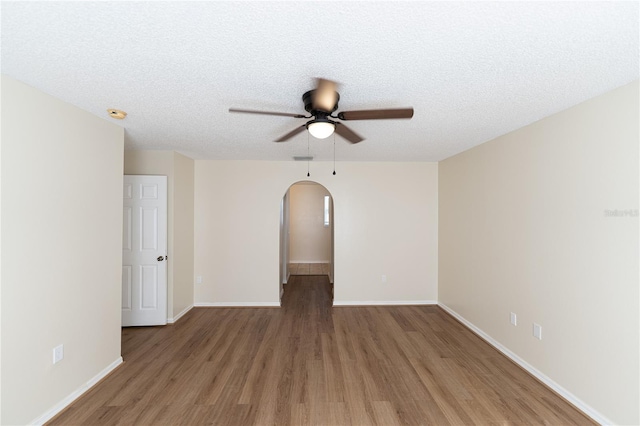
(309, 268)
(310, 364)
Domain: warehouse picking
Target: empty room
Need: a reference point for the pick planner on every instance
(319, 213)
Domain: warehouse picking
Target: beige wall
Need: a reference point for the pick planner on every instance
(523, 229)
(284, 241)
(61, 249)
(0, 260)
(309, 239)
(179, 171)
(389, 228)
(182, 233)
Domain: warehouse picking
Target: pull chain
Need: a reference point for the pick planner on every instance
(334, 154)
(308, 155)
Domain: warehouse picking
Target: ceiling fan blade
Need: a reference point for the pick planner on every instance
(251, 111)
(348, 134)
(291, 134)
(376, 114)
(325, 97)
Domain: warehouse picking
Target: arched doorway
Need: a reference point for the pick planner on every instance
(306, 232)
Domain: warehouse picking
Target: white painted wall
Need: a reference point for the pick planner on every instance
(385, 217)
(309, 239)
(179, 171)
(61, 249)
(523, 229)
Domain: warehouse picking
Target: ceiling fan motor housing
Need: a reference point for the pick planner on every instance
(307, 98)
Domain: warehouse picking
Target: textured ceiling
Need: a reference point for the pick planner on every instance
(472, 70)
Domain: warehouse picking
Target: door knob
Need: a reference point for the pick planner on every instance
(160, 258)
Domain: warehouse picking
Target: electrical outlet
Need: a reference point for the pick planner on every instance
(537, 331)
(383, 279)
(514, 319)
(199, 279)
(58, 354)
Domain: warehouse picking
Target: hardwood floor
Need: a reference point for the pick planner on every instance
(309, 363)
(309, 268)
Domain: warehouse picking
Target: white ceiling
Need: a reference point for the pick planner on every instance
(471, 70)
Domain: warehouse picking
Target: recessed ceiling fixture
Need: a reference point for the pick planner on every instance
(321, 103)
(116, 113)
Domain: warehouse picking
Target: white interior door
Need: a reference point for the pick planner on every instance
(144, 251)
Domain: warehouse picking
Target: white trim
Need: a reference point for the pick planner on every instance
(180, 315)
(383, 302)
(236, 304)
(281, 292)
(571, 398)
(76, 394)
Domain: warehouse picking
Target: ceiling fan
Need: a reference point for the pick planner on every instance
(320, 103)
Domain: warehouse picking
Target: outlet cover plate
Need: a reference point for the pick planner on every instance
(58, 354)
(537, 331)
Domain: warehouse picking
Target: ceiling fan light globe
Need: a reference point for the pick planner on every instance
(321, 130)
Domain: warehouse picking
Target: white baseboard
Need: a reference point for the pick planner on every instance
(180, 315)
(76, 394)
(571, 398)
(281, 293)
(236, 304)
(383, 302)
